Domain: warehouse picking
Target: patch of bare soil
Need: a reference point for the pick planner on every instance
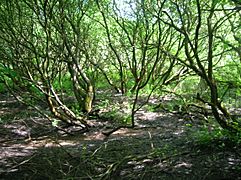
(161, 146)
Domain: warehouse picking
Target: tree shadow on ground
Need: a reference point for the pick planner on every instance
(161, 146)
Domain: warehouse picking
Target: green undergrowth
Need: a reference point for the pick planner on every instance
(208, 135)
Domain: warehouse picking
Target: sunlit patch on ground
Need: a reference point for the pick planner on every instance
(31, 146)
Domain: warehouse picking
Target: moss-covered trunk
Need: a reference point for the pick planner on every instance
(89, 97)
(225, 121)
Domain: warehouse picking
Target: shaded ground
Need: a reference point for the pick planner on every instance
(162, 146)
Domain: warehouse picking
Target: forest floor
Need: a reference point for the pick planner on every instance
(163, 145)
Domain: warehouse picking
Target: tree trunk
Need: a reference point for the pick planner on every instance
(216, 106)
(89, 97)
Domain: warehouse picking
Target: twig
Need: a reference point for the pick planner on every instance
(21, 163)
(114, 166)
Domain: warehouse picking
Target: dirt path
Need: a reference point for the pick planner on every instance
(161, 146)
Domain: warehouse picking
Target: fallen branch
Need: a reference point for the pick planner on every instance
(114, 130)
(112, 168)
(21, 163)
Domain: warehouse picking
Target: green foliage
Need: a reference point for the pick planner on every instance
(114, 110)
(103, 104)
(79, 43)
(6, 77)
(175, 102)
(236, 138)
(116, 116)
(101, 83)
(229, 72)
(6, 118)
(151, 108)
(229, 81)
(189, 85)
(75, 107)
(8, 72)
(208, 135)
(2, 88)
(64, 84)
(55, 122)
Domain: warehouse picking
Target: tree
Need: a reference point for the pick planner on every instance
(44, 43)
(140, 62)
(48, 44)
(202, 52)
